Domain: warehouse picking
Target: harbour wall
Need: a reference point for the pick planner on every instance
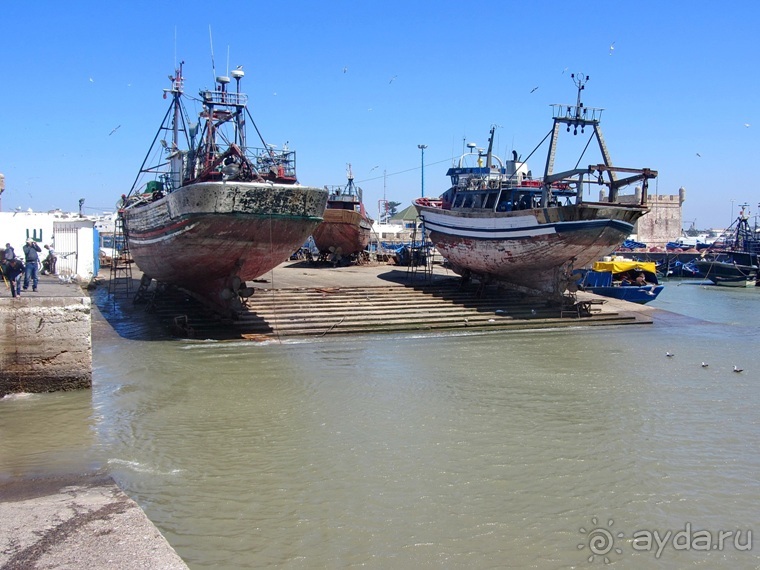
(45, 344)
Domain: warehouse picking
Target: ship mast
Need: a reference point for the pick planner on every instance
(574, 116)
(175, 155)
(237, 75)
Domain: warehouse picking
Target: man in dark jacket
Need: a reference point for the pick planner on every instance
(9, 253)
(31, 250)
(12, 270)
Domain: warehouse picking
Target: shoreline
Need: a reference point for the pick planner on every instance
(83, 521)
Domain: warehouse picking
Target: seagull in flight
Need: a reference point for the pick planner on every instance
(669, 354)
(532, 90)
(737, 369)
(114, 130)
(612, 47)
(704, 365)
(345, 69)
(392, 78)
(699, 155)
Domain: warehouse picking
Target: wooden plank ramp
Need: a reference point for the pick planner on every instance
(437, 306)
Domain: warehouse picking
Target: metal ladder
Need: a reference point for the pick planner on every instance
(120, 282)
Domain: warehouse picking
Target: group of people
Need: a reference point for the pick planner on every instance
(13, 267)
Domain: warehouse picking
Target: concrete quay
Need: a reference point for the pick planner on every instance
(45, 338)
(78, 522)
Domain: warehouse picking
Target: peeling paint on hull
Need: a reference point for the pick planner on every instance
(344, 229)
(202, 235)
(533, 249)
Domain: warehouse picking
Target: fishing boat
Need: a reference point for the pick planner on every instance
(207, 212)
(499, 223)
(345, 229)
(733, 259)
(624, 279)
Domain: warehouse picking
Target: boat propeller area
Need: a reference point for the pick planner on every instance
(235, 294)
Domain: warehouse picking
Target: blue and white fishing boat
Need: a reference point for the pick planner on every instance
(499, 223)
(624, 279)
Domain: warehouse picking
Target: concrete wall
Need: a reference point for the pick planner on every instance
(663, 222)
(45, 344)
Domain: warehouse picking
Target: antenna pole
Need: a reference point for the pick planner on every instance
(213, 65)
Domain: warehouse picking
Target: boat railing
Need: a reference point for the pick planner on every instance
(575, 113)
(284, 161)
(225, 98)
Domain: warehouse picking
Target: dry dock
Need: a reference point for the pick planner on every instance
(306, 299)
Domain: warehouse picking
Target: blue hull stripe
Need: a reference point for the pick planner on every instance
(523, 231)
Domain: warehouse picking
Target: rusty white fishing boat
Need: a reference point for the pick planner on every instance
(207, 212)
(345, 230)
(498, 223)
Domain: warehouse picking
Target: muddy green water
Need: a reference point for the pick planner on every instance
(541, 449)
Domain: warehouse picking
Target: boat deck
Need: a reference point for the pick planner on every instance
(300, 299)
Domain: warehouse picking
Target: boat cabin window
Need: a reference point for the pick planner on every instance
(505, 202)
(527, 201)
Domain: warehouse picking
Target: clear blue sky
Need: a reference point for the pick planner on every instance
(678, 88)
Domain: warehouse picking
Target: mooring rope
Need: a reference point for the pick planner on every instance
(271, 280)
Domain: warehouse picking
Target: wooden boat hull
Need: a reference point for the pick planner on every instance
(531, 249)
(205, 236)
(727, 274)
(346, 230)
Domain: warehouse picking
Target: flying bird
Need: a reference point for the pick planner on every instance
(699, 155)
(392, 78)
(114, 130)
(532, 90)
(747, 125)
(612, 47)
(669, 354)
(737, 369)
(704, 365)
(345, 69)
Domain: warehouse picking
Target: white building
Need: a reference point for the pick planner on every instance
(73, 237)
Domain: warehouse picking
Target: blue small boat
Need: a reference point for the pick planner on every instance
(625, 279)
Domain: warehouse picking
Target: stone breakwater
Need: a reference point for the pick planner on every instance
(46, 340)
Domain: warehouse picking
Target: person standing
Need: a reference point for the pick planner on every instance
(31, 251)
(50, 259)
